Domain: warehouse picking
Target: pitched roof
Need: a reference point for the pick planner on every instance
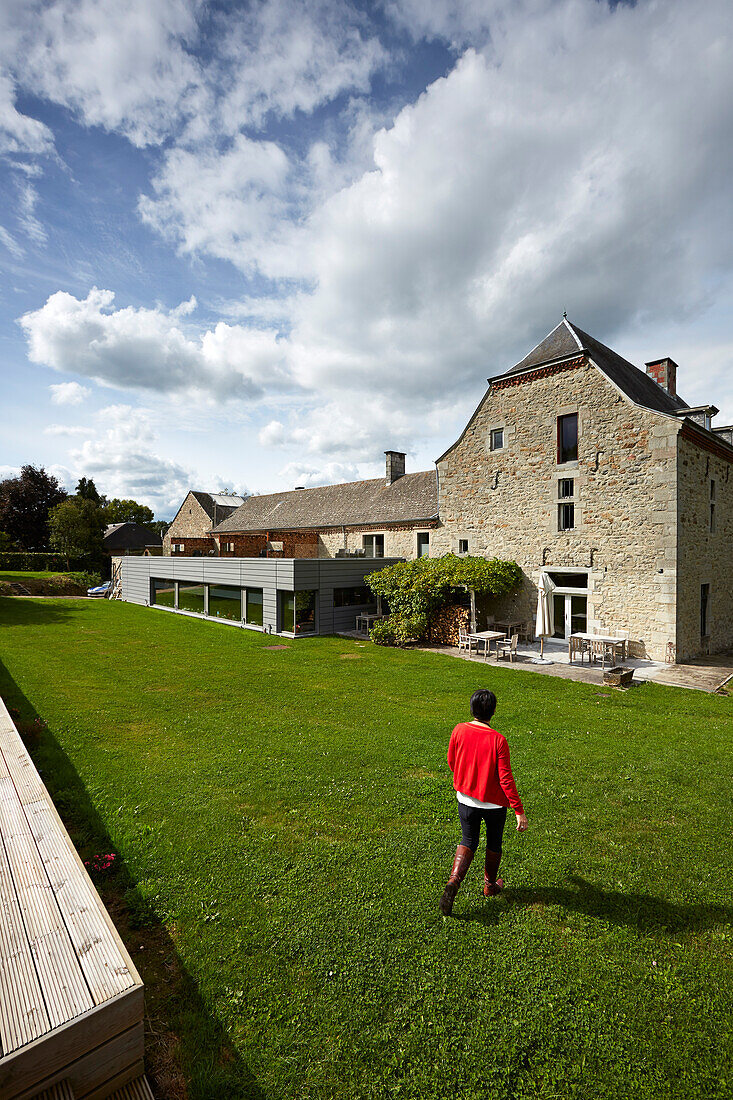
(129, 536)
(566, 341)
(218, 501)
(410, 498)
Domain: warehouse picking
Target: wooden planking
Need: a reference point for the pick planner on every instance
(20, 767)
(102, 961)
(64, 989)
(60, 1091)
(23, 1015)
(139, 1089)
(52, 1057)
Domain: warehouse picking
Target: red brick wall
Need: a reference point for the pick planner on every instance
(200, 545)
(296, 544)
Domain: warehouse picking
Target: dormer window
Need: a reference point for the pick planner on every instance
(567, 438)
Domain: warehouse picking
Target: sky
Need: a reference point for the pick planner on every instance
(253, 245)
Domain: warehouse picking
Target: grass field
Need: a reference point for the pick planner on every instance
(45, 583)
(286, 822)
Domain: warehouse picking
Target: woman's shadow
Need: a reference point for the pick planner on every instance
(650, 915)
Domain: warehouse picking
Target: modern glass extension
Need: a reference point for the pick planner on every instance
(297, 612)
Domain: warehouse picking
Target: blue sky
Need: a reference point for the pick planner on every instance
(253, 245)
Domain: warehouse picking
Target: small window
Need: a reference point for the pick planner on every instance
(230, 547)
(463, 546)
(566, 487)
(567, 438)
(496, 439)
(374, 546)
(423, 543)
(712, 507)
(565, 517)
(704, 609)
(353, 597)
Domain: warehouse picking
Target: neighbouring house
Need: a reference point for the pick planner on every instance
(579, 465)
(392, 516)
(131, 538)
(190, 532)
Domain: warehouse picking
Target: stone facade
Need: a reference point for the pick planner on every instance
(190, 522)
(705, 541)
(505, 503)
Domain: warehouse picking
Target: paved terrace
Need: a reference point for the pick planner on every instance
(71, 1000)
(703, 673)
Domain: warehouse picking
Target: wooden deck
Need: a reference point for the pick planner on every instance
(71, 1000)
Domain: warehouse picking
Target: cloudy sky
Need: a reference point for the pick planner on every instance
(255, 244)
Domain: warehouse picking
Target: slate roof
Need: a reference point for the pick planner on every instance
(410, 498)
(567, 341)
(220, 501)
(129, 536)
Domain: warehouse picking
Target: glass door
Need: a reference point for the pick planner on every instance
(571, 614)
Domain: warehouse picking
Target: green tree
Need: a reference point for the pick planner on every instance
(87, 490)
(25, 502)
(77, 525)
(128, 511)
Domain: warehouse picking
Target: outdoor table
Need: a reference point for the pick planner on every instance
(487, 636)
(607, 638)
(512, 627)
(364, 621)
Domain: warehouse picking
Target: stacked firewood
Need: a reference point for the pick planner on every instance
(447, 622)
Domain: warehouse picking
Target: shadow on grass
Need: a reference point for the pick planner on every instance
(648, 914)
(18, 611)
(188, 1055)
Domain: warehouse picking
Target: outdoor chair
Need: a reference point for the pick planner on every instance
(579, 647)
(465, 641)
(603, 651)
(507, 648)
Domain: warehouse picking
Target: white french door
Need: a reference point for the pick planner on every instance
(571, 614)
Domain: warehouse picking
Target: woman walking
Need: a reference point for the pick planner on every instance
(478, 756)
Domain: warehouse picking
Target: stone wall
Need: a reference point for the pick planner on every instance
(505, 502)
(400, 540)
(705, 555)
(191, 521)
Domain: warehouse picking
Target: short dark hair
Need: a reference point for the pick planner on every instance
(483, 704)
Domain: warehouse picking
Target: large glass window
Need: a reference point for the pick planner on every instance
(567, 438)
(191, 596)
(352, 597)
(374, 546)
(163, 593)
(225, 602)
(297, 612)
(253, 607)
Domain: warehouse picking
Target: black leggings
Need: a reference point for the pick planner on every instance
(471, 819)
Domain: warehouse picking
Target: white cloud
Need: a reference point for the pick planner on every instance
(229, 204)
(27, 218)
(69, 393)
(10, 242)
(328, 473)
(124, 67)
(65, 429)
(148, 349)
(19, 134)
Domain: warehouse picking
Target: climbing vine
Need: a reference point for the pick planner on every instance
(415, 590)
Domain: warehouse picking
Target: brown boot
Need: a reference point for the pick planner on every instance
(492, 884)
(461, 863)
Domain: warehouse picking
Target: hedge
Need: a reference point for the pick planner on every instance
(27, 561)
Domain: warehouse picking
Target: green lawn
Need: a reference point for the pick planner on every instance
(287, 822)
(10, 576)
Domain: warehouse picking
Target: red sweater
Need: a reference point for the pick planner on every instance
(479, 759)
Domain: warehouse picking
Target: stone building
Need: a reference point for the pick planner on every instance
(190, 532)
(578, 464)
(393, 516)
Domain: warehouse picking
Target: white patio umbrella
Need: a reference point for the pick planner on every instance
(545, 624)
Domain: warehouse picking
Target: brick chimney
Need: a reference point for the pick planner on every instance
(664, 371)
(395, 466)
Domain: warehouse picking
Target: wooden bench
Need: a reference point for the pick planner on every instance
(71, 1000)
